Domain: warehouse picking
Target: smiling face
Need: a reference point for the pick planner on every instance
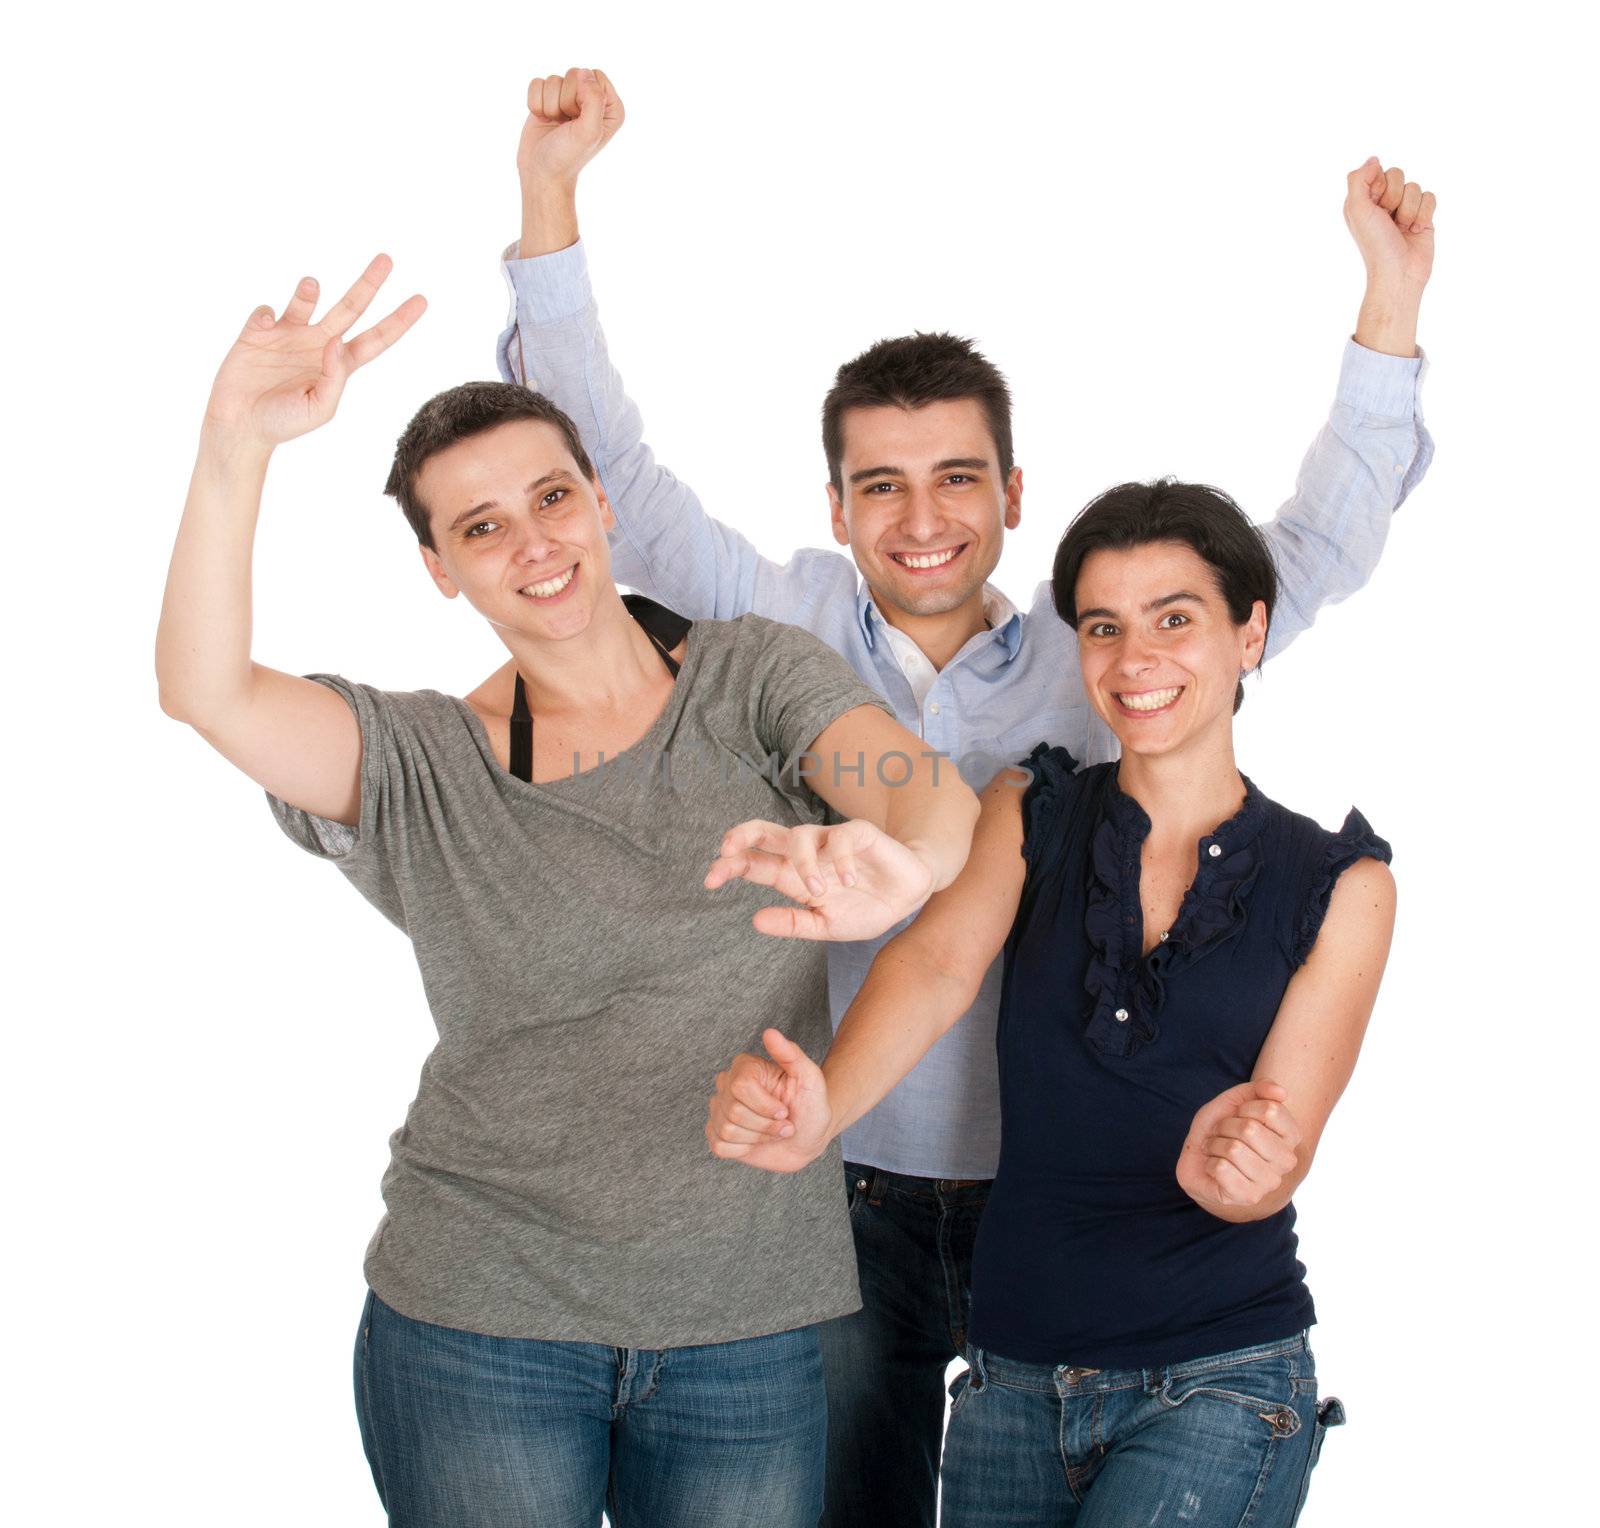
(923, 506)
(518, 530)
(1160, 652)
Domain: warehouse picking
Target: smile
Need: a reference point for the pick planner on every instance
(550, 587)
(924, 560)
(1148, 702)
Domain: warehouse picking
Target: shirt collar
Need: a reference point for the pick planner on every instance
(1004, 619)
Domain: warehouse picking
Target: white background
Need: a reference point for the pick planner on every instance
(1137, 216)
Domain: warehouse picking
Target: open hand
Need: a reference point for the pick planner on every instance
(770, 1114)
(284, 376)
(1240, 1148)
(851, 881)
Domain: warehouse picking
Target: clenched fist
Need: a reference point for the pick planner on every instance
(571, 117)
(1240, 1150)
(1391, 220)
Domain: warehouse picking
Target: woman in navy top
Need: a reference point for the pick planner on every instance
(1189, 969)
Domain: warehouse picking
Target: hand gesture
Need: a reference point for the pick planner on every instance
(284, 376)
(571, 118)
(770, 1114)
(852, 881)
(1391, 220)
(1240, 1148)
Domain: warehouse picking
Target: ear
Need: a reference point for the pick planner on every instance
(430, 560)
(1255, 636)
(1014, 499)
(608, 518)
(841, 528)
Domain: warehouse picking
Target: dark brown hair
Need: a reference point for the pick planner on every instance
(1200, 517)
(457, 415)
(907, 373)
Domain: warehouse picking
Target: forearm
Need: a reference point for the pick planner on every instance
(203, 640)
(549, 216)
(934, 821)
(1387, 321)
(908, 1000)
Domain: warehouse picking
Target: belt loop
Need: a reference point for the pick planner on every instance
(876, 1187)
(979, 1368)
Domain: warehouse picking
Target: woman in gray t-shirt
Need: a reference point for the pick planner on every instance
(561, 1318)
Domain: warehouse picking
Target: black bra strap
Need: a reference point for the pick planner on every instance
(663, 627)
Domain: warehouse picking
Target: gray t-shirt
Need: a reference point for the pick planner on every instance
(552, 1178)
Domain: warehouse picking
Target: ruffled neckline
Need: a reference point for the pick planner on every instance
(1127, 989)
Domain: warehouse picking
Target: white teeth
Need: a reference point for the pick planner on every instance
(551, 585)
(1151, 700)
(933, 560)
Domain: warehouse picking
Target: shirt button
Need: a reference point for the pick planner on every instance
(933, 707)
(1121, 1015)
(1215, 851)
(1164, 933)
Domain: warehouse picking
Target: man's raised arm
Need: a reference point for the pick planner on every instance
(1374, 449)
(667, 546)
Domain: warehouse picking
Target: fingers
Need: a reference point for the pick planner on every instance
(1394, 185)
(803, 846)
(371, 343)
(354, 303)
(302, 302)
(1274, 1115)
(544, 98)
(262, 318)
(1247, 1141)
(612, 102)
(749, 1085)
(1232, 1187)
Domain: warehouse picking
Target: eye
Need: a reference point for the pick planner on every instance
(874, 487)
(1172, 620)
(961, 477)
(1102, 629)
(472, 530)
(554, 497)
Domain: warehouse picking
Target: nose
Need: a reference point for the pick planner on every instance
(1137, 655)
(920, 519)
(532, 542)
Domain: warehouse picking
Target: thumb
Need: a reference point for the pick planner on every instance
(1362, 180)
(786, 1053)
(591, 100)
(1224, 1104)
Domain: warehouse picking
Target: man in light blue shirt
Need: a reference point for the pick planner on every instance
(917, 435)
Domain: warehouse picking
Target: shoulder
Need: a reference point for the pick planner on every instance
(1351, 860)
(1055, 788)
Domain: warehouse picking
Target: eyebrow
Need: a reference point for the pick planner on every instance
(1166, 599)
(488, 504)
(976, 463)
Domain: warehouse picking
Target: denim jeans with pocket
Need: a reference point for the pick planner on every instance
(468, 1431)
(1216, 1442)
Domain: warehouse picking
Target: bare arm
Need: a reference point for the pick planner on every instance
(1250, 1148)
(781, 1114)
(282, 378)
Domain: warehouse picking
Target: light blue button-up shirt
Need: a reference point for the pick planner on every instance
(1008, 688)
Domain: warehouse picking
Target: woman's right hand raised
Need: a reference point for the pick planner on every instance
(284, 376)
(771, 1114)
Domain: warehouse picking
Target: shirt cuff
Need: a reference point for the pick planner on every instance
(1372, 382)
(548, 288)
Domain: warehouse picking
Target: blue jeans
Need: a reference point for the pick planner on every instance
(1216, 1442)
(885, 1364)
(468, 1431)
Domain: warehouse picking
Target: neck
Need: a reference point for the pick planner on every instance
(941, 636)
(1188, 792)
(604, 667)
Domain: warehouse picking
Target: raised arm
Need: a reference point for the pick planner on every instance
(282, 378)
(1374, 449)
(781, 1114)
(666, 545)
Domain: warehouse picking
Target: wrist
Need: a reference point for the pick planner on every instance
(226, 450)
(549, 216)
(1387, 320)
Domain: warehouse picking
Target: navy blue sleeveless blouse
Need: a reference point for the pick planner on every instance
(1089, 1253)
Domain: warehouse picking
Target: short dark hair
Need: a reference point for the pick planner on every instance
(1202, 518)
(458, 414)
(907, 373)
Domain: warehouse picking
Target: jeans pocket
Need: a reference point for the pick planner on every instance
(964, 1384)
(1264, 1388)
